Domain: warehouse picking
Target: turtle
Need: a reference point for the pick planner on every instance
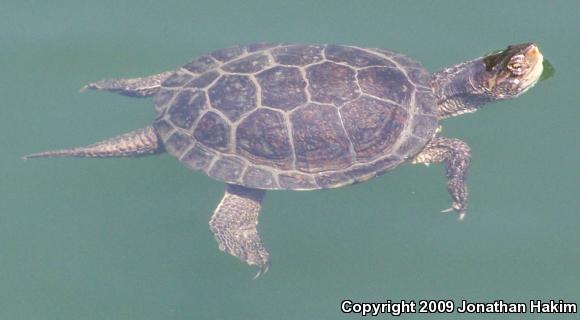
(289, 116)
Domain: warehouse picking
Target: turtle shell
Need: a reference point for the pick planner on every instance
(295, 116)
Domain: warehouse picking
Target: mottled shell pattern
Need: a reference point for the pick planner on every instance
(294, 116)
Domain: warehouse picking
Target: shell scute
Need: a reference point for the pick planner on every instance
(320, 141)
(373, 126)
(387, 163)
(213, 132)
(411, 146)
(201, 64)
(203, 80)
(282, 87)
(228, 169)
(298, 55)
(162, 99)
(263, 138)
(227, 54)
(260, 46)
(233, 95)
(250, 64)
(198, 157)
(420, 77)
(186, 108)
(331, 179)
(259, 178)
(163, 128)
(178, 79)
(424, 102)
(332, 83)
(296, 181)
(178, 142)
(386, 83)
(424, 126)
(355, 57)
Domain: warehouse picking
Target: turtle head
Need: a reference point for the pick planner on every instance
(510, 72)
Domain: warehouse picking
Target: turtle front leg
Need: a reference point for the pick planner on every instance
(457, 155)
(135, 87)
(233, 225)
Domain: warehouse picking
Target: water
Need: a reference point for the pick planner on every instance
(128, 239)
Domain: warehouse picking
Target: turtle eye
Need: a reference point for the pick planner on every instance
(516, 65)
(516, 68)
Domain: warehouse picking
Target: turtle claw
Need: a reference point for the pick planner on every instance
(455, 207)
(262, 270)
(94, 86)
(87, 87)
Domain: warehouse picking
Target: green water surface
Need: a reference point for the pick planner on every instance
(129, 239)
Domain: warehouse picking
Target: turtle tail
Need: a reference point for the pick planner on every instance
(136, 143)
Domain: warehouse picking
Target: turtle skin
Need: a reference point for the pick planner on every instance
(296, 116)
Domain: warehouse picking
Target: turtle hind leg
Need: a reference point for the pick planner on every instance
(233, 225)
(135, 143)
(135, 87)
(457, 156)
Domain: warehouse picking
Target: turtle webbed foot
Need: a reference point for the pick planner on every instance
(246, 245)
(234, 223)
(456, 156)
